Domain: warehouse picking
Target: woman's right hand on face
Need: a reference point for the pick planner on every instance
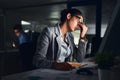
(83, 27)
(62, 66)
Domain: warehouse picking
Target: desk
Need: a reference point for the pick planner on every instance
(90, 63)
(49, 74)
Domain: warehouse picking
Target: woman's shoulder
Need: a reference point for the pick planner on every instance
(49, 28)
(48, 31)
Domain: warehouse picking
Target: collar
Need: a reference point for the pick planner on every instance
(58, 31)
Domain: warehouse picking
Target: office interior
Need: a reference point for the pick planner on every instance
(100, 16)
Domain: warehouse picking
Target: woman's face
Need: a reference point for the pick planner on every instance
(73, 22)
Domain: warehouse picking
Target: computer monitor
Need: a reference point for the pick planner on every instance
(111, 39)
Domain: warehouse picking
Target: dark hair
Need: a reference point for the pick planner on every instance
(72, 11)
(18, 27)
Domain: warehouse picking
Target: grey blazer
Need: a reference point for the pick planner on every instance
(48, 47)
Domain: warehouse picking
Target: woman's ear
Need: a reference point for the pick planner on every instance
(68, 16)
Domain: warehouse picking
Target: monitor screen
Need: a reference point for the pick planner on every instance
(111, 39)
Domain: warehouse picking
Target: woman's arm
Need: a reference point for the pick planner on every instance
(81, 50)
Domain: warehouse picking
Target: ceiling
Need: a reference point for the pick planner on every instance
(47, 11)
(10, 4)
(54, 6)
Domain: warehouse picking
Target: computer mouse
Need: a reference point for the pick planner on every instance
(84, 71)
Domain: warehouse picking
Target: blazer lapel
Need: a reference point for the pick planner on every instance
(58, 39)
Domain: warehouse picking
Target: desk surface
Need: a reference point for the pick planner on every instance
(49, 74)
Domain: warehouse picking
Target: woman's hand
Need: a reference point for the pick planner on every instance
(83, 28)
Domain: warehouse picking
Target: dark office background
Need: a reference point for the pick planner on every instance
(41, 13)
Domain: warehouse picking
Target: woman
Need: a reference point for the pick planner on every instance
(56, 44)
